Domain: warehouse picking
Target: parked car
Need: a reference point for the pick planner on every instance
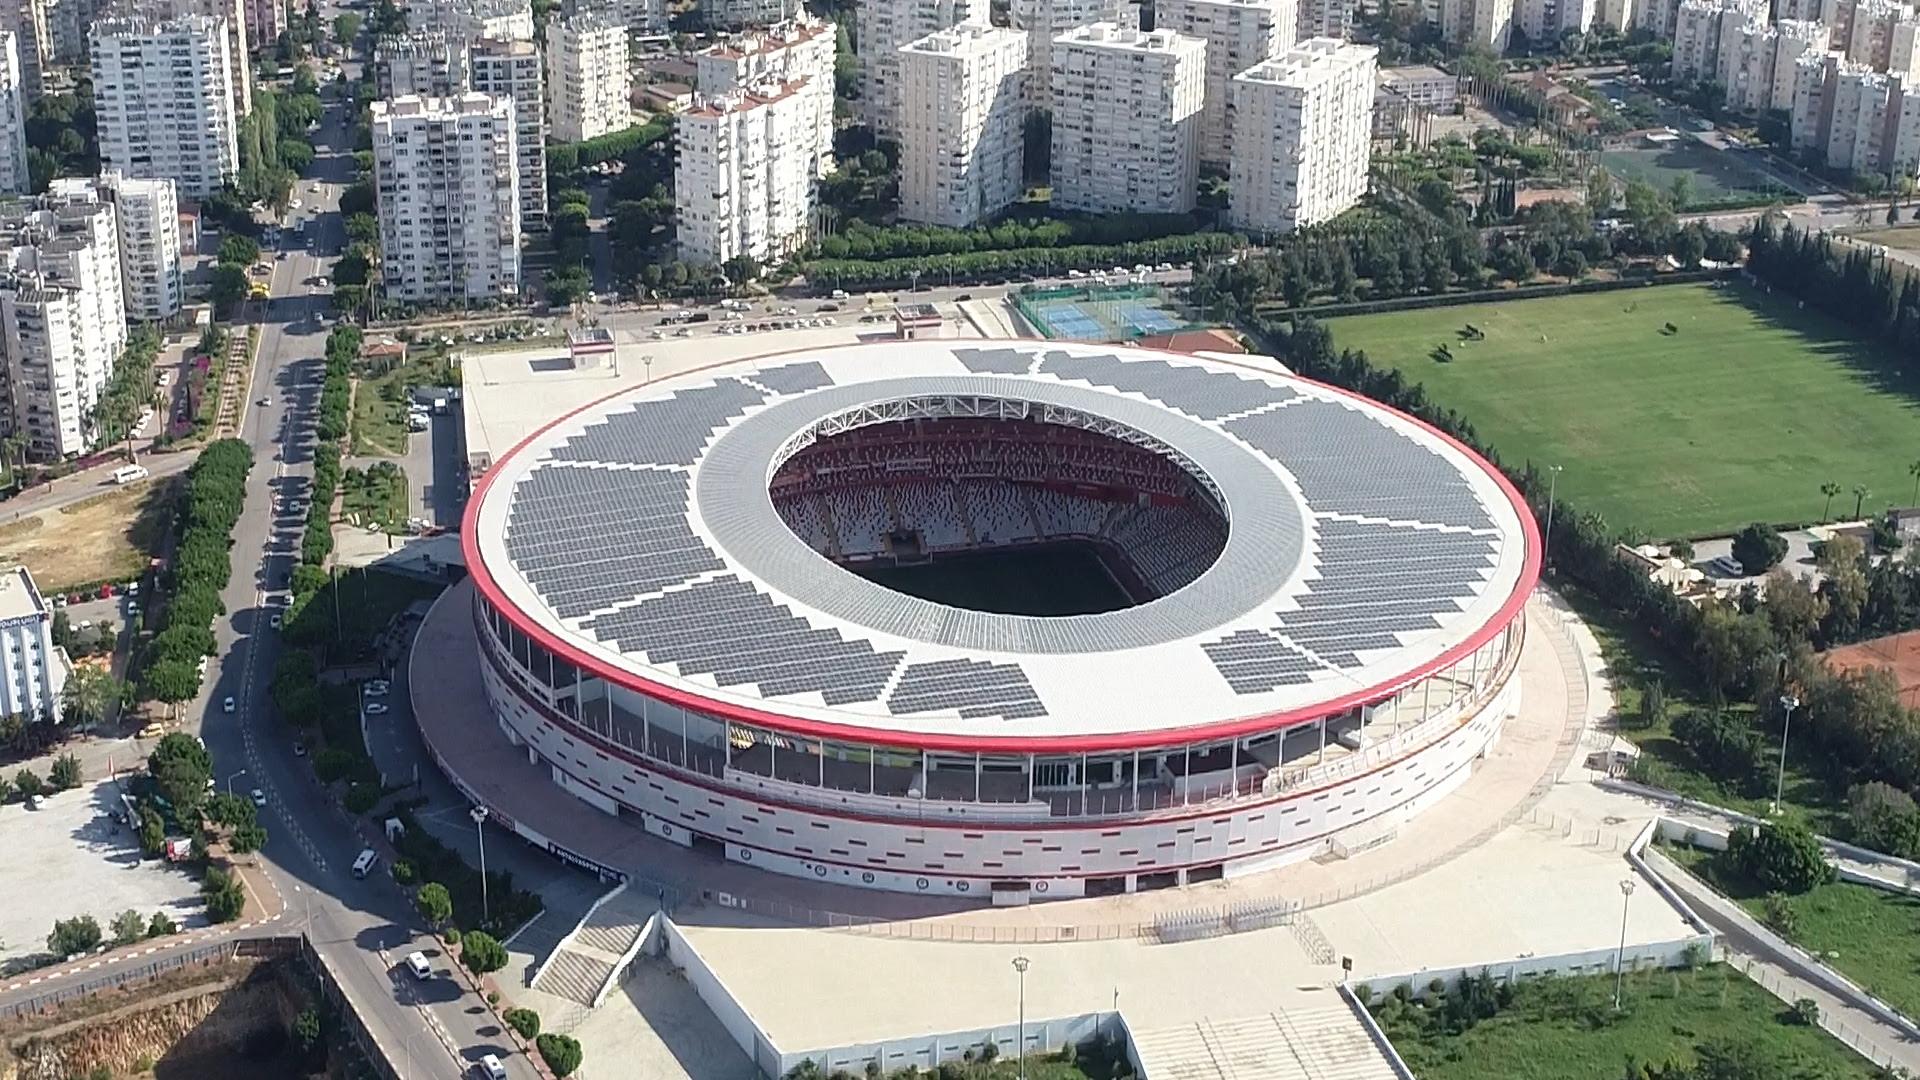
(375, 708)
(227, 704)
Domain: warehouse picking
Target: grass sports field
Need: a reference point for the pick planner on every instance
(1738, 413)
(1052, 580)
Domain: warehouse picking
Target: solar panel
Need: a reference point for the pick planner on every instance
(667, 431)
(726, 628)
(793, 378)
(1253, 662)
(976, 688)
(590, 537)
(1195, 391)
(1348, 462)
(995, 361)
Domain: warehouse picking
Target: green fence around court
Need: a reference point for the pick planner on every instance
(1101, 312)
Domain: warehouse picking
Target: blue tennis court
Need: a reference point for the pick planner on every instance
(1069, 321)
(1147, 319)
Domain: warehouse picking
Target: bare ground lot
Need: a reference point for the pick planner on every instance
(105, 538)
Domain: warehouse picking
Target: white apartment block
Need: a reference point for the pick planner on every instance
(232, 16)
(13, 117)
(423, 62)
(962, 131)
(881, 27)
(1810, 121)
(1486, 25)
(163, 90)
(1306, 136)
(1546, 21)
(448, 187)
(744, 183)
(1856, 134)
(1421, 85)
(63, 322)
(588, 78)
(67, 22)
(266, 21)
(1324, 18)
(27, 21)
(1746, 65)
(1904, 131)
(1043, 20)
(1699, 28)
(800, 50)
(1792, 39)
(147, 223)
(1239, 34)
(1614, 15)
(1858, 119)
(746, 14)
(1656, 16)
(1126, 119)
(471, 20)
(35, 669)
(510, 71)
(1881, 35)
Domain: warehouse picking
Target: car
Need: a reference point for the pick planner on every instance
(299, 749)
(417, 963)
(376, 689)
(259, 797)
(490, 1068)
(227, 705)
(963, 298)
(294, 205)
(274, 620)
(375, 708)
(322, 283)
(264, 402)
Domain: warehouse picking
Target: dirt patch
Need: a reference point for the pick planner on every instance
(109, 537)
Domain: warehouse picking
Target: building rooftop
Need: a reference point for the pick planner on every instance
(1126, 38)
(964, 39)
(1310, 63)
(1414, 73)
(19, 597)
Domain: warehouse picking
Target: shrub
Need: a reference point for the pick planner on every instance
(561, 1052)
(434, 904)
(481, 953)
(493, 997)
(65, 773)
(76, 935)
(524, 1021)
(361, 798)
(1884, 818)
(161, 925)
(452, 935)
(1779, 857)
(1805, 1011)
(1759, 548)
(224, 895)
(306, 1030)
(402, 871)
(1778, 912)
(28, 783)
(128, 927)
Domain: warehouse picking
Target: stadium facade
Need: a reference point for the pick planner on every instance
(1313, 613)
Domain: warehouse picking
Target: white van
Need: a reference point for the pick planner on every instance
(363, 864)
(127, 474)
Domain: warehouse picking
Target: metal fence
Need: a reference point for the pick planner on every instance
(1860, 1042)
(203, 956)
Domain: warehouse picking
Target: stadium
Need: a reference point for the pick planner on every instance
(1012, 620)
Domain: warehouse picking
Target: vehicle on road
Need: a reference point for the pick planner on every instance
(363, 863)
(264, 402)
(377, 688)
(299, 749)
(259, 797)
(417, 963)
(490, 1068)
(127, 474)
(227, 705)
(274, 620)
(375, 708)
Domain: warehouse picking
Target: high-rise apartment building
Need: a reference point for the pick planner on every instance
(445, 172)
(588, 78)
(744, 182)
(13, 117)
(1856, 133)
(470, 20)
(35, 669)
(800, 50)
(1043, 20)
(1882, 35)
(1324, 18)
(1486, 25)
(147, 227)
(1757, 62)
(63, 322)
(26, 20)
(422, 62)
(1239, 34)
(266, 21)
(164, 95)
(748, 14)
(962, 130)
(1614, 15)
(881, 27)
(1547, 21)
(1307, 131)
(67, 24)
(1699, 28)
(510, 71)
(1126, 119)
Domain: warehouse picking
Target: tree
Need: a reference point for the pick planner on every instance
(153, 831)
(65, 773)
(346, 27)
(1781, 856)
(1884, 818)
(434, 904)
(524, 1021)
(306, 1030)
(561, 1053)
(161, 925)
(1759, 548)
(481, 953)
(128, 927)
(28, 783)
(1829, 489)
(181, 767)
(238, 250)
(76, 935)
(224, 895)
(247, 838)
(1653, 704)
(228, 287)
(1860, 493)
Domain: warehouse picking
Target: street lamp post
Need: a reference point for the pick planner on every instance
(479, 815)
(1546, 541)
(1620, 957)
(1020, 1048)
(230, 780)
(1790, 703)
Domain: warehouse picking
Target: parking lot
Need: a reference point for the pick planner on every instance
(70, 857)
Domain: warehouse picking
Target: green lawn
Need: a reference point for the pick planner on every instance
(1741, 414)
(1869, 935)
(1906, 237)
(1566, 1029)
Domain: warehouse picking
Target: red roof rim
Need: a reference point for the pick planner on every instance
(1128, 740)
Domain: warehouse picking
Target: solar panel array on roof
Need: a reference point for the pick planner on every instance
(1254, 662)
(995, 361)
(589, 537)
(1348, 462)
(1195, 391)
(669, 431)
(1378, 581)
(726, 628)
(794, 378)
(976, 688)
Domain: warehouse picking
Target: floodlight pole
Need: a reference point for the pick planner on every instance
(1546, 541)
(479, 815)
(1620, 957)
(1790, 703)
(1020, 1048)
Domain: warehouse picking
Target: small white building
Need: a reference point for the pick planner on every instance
(36, 669)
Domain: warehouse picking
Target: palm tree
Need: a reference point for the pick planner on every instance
(1913, 470)
(88, 695)
(1829, 489)
(1860, 494)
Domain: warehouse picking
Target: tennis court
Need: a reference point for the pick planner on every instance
(1101, 314)
(1148, 320)
(1068, 321)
